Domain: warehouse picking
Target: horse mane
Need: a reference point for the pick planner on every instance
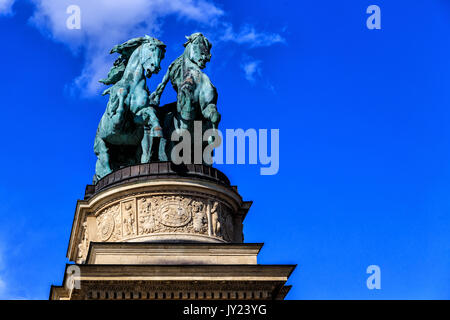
(194, 36)
(175, 68)
(125, 50)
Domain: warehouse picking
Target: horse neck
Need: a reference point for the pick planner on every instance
(187, 64)
(186, 61)
(134, 65)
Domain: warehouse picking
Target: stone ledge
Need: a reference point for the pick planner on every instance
(172, 253)
(176, 282)
(157, 170)
(149, 272)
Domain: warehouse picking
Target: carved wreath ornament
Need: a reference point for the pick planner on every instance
(105, 223)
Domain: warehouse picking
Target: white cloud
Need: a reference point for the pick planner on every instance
(104, 23)
(6, 7)
(252, 69)
(248, 35)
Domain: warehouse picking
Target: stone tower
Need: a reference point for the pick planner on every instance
(160, 231)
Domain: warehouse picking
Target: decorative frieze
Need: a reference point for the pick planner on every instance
(145, 216)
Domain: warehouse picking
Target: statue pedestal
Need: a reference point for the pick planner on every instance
(160, 231)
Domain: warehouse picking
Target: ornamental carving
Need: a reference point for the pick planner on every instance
(172, 214)
(175, 212)
(200, 222)
(221, 222)
(129, 221)
(147, 220)
(83, 246)
(106, 222)
(227, 227)
(142, 216)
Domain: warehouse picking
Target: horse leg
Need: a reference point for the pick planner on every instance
(144, 112)
(152, 121)
(162, 155)
(146, 145)
(117, 113)
(102, 167)
(152, 130)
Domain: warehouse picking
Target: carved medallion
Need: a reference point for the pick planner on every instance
(106, 223)
(106, 227)
(173, 214)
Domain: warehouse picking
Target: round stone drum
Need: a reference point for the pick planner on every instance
(158, 202)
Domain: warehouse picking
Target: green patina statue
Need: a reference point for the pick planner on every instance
(196, 95)
(130, 126)
(129, 122)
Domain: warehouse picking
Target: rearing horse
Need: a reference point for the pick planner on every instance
(129, 119)
(196, 95)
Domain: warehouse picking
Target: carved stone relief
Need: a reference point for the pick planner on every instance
(175, 212)
(83, 246)
(200, 223)
(227, 228)
(106, 222)
(145, 215)
(171, 214)
(221, 222)
(129, 221)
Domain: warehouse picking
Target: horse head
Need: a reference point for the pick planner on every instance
(152, 51)
(198, 49)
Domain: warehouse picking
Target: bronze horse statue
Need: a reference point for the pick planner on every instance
(196, 95)
(125, 132)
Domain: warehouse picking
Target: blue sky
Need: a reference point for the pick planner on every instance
(364, 132)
